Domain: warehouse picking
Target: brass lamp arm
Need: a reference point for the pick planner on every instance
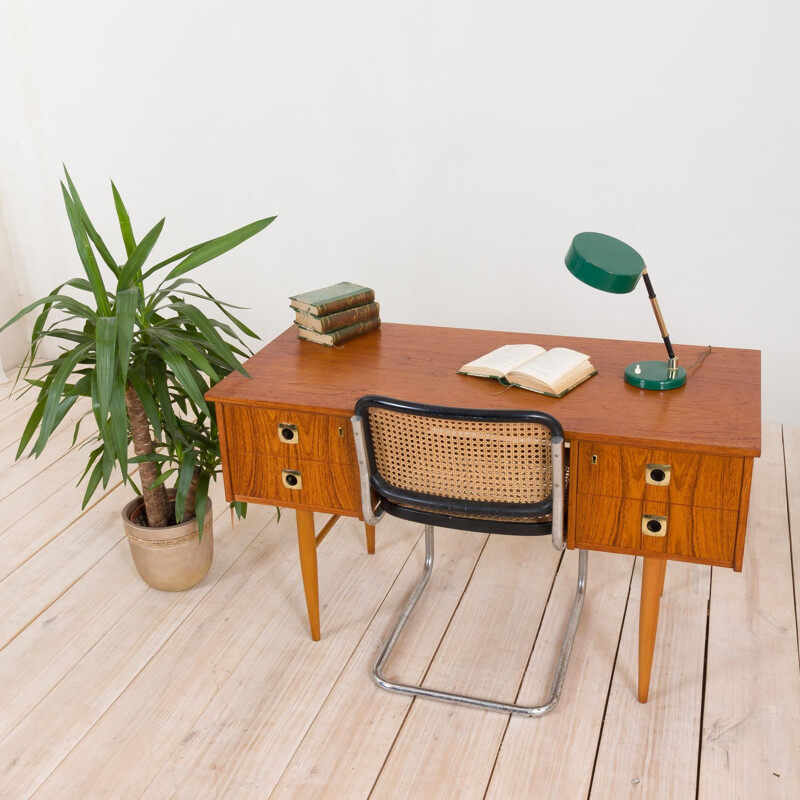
(662, 326)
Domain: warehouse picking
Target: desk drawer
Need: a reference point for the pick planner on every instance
(290, 435)
(691, 533)
(688, 479)
(323, 486)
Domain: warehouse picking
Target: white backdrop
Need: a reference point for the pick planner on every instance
(442, 152)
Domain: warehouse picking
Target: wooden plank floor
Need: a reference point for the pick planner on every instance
(109, 689)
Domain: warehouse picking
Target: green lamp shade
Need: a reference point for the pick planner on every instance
(604, 262)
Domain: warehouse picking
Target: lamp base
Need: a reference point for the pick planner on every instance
(654, 375)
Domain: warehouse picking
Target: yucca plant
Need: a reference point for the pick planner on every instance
(137, 345)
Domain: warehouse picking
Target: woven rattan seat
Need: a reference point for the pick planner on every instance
(469, 469)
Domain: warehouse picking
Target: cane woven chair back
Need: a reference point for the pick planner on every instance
(473, 464)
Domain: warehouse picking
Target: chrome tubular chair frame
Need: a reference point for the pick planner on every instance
(555, 506)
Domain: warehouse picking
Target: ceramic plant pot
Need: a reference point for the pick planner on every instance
(171, 558)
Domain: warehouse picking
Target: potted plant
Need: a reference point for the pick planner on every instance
(143, 350)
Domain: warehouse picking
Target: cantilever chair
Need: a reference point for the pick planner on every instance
(474, 470)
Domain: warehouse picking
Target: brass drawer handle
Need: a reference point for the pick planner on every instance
(654, 526)
(658, 474)
(292, 479)
(287, 433)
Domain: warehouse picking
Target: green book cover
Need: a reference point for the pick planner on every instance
(332, 298)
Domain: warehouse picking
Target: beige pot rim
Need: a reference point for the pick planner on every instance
(165, 536)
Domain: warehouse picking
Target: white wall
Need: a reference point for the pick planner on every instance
(13, 341)
(444, 153)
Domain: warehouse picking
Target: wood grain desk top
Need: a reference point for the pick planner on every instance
(717, 411)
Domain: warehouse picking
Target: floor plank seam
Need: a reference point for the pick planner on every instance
(455, 611)
(58, 533)
(147, 664)
(55, 464)
(378, 608)
(559, 565)
(62, 593)
(443, 636)
(791, 548)
(611, 681)
(703, 685)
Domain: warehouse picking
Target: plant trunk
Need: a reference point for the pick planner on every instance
(156, 503)
(191, 495)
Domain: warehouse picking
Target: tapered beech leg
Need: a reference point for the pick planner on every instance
(663, 562)
(308, 567)
(370, 538)
(652, 577)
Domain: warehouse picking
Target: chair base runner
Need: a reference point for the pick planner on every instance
(491, 705)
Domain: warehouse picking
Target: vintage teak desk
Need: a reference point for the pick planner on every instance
(663, 475)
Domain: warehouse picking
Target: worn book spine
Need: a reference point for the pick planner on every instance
(341, 319)
(342, 335)
(341, 303)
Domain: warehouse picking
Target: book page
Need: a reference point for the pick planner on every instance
(504, 359)
(551, 366)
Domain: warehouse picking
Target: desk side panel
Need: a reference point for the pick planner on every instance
(223, 450)
(744, 510)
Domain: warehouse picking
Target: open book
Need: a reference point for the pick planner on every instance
(553, 372)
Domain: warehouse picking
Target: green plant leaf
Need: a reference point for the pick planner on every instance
(216, 247)
(108, 465)
(124, 221)
(222, 307)
(32, 424)
(131, 272)
(173, 259)
(159, 375)
(106, 360)
(81, 388)
(200, 503)
(76, 283)
(96, 403)
(188, 349)
(185, 473)
(86, 255)
(119, 425)
(94, 479)
(89, 228)
(77, 429)
(206, 327)
(183, 376)
(93, 456)
(127, 302)
(163, 477)
(49, 300)
(68, 363)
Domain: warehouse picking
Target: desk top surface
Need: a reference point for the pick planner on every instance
(718, 410)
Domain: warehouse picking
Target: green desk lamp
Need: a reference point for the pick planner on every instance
(608, 264)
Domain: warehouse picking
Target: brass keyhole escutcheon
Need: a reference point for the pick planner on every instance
(658, 474)
(288, 433)
(654, 526)
(292, 479)
(594, 459)
(341, 431)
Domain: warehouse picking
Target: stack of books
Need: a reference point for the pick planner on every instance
(334, 314)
